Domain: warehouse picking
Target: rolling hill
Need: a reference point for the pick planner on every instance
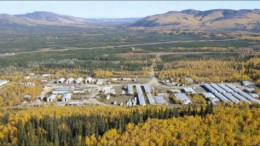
(223, 19)
(218, 19)
(53, 19)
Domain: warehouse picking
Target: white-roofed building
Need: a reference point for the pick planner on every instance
(69, 81)
(100, 81)
(79, 91)
(66, 97)
(78, 80)
(210, 96)
(61, 80)
(188, 90)
(88, 80)
(51, 98)
(3, 82)
(160, 100)
(246, 83)
(175, 91)
(183, 98)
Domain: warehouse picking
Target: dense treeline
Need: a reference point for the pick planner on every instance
(225, 125)
(17, 38)
(212, 70)
(224, 56)
(69, 130)
(89, 59)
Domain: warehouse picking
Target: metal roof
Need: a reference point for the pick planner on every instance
(141, 99)
(188, 90)
(247, 83)
(231, 97)
(59, 92)
(233, 87)
(139, 89)
(176, 91)
(160, 100)
(60, 80)
(64, 88)
(209, 88)
(183, 98)
(223, 86)
(130, 89)
(189, 79)
(66, 96)
(215, 86)
(69, 80)
(79, 80)
(210, 96)
(147, 88)
(221, 97)
(151, 98)
(240, 97)
(249, 97)
(52, 96)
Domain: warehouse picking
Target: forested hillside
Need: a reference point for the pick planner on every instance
(223, 125)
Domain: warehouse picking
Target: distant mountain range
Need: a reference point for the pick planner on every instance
(223, 19)
(48, 18)
(219, 19)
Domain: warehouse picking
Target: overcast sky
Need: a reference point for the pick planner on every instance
(118, 9)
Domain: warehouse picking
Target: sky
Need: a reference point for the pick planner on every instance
(118, 9)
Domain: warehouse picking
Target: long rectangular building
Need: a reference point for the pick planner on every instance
(151, 99)
(215, 86)
(130, 90)
(231, 97)
(210, 96)
(147, 88)
(209, 88)
(240, 92)
(141, 99)
(221, 97)
(223, 86)
(240, 97)
(234, 88)
(138, 89)
(249, 97)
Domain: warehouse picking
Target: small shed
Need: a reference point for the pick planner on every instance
(51, 98)
(61, 80)
(88, 80)
(160, 100)
(27, 97)
(78, 80)
(246, 83)
(126, 79)
(100, 81)
(176, 91)
(249, 90)
(188, 90)
(79, 91)
(66, 97)
(183, 98)
(188, 79)
(69, 81)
